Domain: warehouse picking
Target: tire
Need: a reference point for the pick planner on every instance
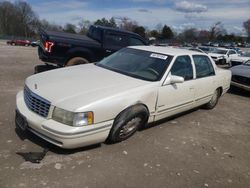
(222, 62)
(127, 123)
(214, 100)
(76, 61)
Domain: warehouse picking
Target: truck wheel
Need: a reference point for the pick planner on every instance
(127, 123)
(214, 100)
(76, 61)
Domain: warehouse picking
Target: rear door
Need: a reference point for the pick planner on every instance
(205, 80)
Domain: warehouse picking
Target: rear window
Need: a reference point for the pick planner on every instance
(203, 66)
(95, 34)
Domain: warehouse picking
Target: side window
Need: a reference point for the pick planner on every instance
(203, 66)
(115, 40)
(182, 67)
(232, 52)
(135, 42)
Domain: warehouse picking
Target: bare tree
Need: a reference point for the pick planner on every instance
(189, 35)
(7, 18)
(216, 30)
(69, 28)
(246, 25)
(127, 24)
(44, 24)
(28, 20)
(84, 26)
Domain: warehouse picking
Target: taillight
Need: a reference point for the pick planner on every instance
(48, 46)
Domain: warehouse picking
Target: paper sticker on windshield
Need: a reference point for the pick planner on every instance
(159, 56)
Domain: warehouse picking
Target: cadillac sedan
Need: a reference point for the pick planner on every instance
(110, 100)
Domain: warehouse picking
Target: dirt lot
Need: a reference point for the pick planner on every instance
(199, 149)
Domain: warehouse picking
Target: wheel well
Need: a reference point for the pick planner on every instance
(137, 104)
(220, 90)
(78, 54)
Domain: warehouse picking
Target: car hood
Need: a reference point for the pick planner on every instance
(241, 70)
(216, 55)
(78, 86)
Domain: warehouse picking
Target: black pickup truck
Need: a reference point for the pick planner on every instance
(65, 49)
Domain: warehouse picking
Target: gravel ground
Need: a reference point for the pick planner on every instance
(197, 149)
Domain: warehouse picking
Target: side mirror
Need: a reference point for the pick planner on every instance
(176, 79)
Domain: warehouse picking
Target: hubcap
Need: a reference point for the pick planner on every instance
(130, 127)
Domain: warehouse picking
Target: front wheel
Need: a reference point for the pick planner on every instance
(127, 123)
(214, 100)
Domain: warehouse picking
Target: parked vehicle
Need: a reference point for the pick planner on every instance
(223, 55)
(197, 50)
(19, 42)
(35, 43)
(65, 49)
(112, 99)
(243, 57)
(205, 49)
(241, 76)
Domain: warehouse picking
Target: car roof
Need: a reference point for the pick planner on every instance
(167, 50)
(226, 49)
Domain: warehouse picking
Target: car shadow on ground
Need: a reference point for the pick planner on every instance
(23, 135)
(238, 91)
(171, 118)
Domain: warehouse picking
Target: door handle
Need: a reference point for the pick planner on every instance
(108, 51)
(191, 88)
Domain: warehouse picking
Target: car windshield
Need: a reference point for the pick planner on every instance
(245, 54)
(219, 51)
(136, 63)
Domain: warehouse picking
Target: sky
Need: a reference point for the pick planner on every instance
(179, 14)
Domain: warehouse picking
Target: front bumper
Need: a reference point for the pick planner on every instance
(59, 134)
(242, 86)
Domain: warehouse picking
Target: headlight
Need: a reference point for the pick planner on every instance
(76, 119)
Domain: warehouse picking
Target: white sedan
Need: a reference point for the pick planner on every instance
(223, 55)
(110, 100)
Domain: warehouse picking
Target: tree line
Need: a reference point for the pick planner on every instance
(19, 19)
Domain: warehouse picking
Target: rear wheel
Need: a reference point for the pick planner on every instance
(127, 123)
(214, 100)
(76, 61)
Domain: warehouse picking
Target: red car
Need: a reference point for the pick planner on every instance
(19, 42)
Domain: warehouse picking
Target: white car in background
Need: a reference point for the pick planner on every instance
(112, 99)
(244, 57)
(223, 55)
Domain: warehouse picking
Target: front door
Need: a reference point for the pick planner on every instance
(176, 98)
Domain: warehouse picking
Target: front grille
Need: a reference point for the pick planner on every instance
(36, 103)
(241, 80)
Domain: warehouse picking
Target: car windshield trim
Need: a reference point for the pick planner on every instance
(138, 53)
